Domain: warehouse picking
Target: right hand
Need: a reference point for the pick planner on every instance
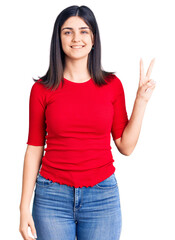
(26, 220)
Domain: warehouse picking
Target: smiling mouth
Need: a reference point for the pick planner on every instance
(77, 47)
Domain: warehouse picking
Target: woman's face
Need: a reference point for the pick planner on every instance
(76, 38)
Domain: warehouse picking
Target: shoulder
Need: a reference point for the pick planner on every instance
(38, 93)
(38, 87)
(38, 84)
(115, 82)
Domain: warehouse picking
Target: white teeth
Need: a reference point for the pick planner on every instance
(77, 47)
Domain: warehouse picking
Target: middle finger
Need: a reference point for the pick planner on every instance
(150, 68)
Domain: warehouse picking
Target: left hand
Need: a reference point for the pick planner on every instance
(146, 85)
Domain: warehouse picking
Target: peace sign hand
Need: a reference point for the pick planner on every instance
(146, 85)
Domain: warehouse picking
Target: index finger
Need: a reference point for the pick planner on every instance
(150, 68)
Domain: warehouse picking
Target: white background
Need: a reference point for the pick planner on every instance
(128, 30)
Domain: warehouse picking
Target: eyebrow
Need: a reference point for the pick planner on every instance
(72, 28)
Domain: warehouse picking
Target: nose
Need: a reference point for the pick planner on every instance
(76, 37)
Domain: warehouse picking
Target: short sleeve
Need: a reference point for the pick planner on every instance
(37, 126)
(120, 117)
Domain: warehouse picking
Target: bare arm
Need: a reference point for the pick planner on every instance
(32, 162)
(128, 141)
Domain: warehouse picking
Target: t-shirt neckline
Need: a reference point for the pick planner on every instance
(77, 83)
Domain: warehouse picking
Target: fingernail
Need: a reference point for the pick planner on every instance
(152, 82)
(35, 236)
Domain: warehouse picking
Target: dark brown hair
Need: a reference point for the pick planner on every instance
(54, 74)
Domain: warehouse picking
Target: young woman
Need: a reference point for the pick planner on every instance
(73, 109)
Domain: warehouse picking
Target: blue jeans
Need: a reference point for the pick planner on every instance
(61, 212)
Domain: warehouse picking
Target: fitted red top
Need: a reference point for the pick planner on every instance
(75, 122)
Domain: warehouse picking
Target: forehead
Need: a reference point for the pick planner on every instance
(74, 22)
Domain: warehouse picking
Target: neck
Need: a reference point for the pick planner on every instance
(76, 69)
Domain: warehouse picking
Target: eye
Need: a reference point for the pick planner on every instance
(66, 33)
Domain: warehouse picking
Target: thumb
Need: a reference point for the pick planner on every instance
(33, 230)
(149, 84)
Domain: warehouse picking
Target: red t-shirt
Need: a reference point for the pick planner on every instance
(75, 122)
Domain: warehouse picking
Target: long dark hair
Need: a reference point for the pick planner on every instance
(54, 74)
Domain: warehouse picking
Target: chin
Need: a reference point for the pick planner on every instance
(77, 55)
